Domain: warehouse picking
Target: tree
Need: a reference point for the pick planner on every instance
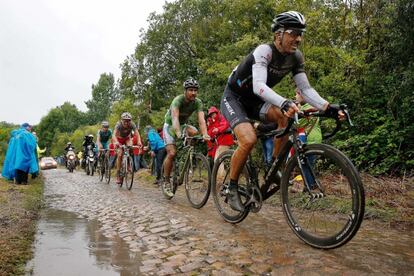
(103, 96)
(64, 118)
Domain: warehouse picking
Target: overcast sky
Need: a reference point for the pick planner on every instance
(52, 51)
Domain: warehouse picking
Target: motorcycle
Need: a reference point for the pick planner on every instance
(70, 160)
(90, 161)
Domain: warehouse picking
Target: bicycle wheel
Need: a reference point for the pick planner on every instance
(169, 184)
(220, 179)
(101, 167)
(197, 180)
(129, 173)
(328, 211)
(107, 168)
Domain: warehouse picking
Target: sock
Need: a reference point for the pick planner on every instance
(233, 183)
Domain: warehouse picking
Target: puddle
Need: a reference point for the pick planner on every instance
(69, 245)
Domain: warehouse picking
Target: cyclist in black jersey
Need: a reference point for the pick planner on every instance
(248, 94)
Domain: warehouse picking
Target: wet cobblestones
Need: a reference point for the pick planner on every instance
(174, 238)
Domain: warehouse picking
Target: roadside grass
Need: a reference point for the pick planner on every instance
(19, 212)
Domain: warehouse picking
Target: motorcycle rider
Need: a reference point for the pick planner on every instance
(69, 147)
(88, 140)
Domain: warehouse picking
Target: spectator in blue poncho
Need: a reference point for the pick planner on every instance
(21, 155)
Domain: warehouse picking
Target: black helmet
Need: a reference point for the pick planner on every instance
(191, 83)
(289, 20)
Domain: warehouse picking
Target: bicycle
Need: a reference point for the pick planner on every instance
(103, 167)
(192, 168)
(328, 211)
(126, 171)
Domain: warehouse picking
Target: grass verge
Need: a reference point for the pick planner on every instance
(19, 210)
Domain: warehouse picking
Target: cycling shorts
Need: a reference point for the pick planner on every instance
(169, 136)
(237, 109)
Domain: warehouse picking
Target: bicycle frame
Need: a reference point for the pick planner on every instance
(188, 150)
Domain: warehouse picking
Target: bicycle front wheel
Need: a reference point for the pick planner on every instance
(129, 173)
(327, 209)
(107, 169)
(197, 180)
(220, 179)
(101, 168)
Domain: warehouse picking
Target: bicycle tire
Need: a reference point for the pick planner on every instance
(219, 185)
(101, 167)
(330, 215)
(107, 170)
(195, 175)
(129, 173)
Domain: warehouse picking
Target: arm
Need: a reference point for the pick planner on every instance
(262, 56)
(139, 141)
(175, 113)
(308, 93)
(202, 123)
(115, 137)
(223, 124)
(98, 140)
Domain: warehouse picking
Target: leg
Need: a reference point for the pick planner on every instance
(221, 172)
(274, 114)
(159, 158)
(118, 165)
(168, 162)
(246, 137)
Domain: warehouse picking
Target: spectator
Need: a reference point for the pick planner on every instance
(139, 161)
(21, 155)
(157, 147)
(219, 129)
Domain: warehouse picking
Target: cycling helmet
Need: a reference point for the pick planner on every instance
(105, 124)
(289, 20)
(191, 83)
(126, 116)
(68, 143)
(90, 135)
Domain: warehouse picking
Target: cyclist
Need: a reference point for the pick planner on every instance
(248, 94)
(103, 137)
(176, 118)
(123, 132)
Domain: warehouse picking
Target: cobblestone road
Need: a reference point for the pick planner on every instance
(174, 238)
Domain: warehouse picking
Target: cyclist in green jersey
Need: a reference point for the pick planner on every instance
(176, 117)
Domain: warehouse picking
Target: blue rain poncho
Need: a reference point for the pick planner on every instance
(21, 154)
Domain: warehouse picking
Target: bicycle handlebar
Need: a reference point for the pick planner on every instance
(282, 132)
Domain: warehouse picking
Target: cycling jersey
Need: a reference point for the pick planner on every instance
(104, 136)
(124, 132)
(248, 93)
(276, 67)
(185, 109)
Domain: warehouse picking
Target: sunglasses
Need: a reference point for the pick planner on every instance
(295, 33)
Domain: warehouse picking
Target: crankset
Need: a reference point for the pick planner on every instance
(255, 201)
